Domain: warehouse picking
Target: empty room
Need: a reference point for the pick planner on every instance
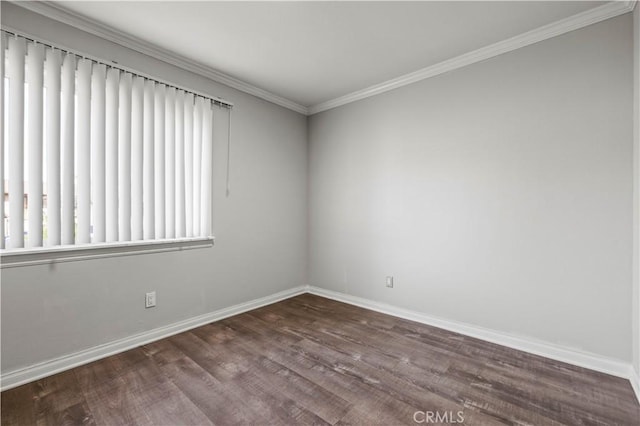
(309, 212)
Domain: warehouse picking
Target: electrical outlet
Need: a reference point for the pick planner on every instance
(390, 282)
(150, 300)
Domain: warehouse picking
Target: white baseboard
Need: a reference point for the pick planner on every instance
(28, 374)
(635, 382)
(559, 353)
(595, 362)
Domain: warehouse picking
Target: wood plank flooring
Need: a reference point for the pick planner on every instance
(310, 360)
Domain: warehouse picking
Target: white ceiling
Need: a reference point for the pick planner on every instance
(312, 52)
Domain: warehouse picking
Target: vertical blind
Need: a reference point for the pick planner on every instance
(96, 154)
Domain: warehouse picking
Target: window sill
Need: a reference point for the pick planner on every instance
(71, 253)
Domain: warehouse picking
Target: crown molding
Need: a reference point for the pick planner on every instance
(580, 20)
(94, 27)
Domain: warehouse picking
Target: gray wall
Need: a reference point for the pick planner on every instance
(498, 195)
(636, 191)
(260, 231)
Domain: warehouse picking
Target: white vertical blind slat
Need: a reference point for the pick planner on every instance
(170, 163)
(98, 178)
(111, 154)
(148, 189)
(207, 175)
(67, 93)
(34, 142)
(137, 142)
(15, 72)
(3, 44)
(180, 200)
(52, 83)
(188, 163)
(83, 151)
(124, 158)
(197, 158)
(159, 166)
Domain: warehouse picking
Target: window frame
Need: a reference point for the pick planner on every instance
(10, 258)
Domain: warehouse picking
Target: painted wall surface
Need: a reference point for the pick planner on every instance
(498, 195)
(636, 190)
(260, 230)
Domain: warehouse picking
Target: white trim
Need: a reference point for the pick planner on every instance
(28, 374)
(634, 378)
(545, 32)
(70, 253)
(61, 14)
(559, 353)
(595, 362)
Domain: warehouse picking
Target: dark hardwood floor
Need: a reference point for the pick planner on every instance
(310, 360)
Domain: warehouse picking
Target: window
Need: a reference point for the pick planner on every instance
(93, 153)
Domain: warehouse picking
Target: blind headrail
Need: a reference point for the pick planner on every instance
(112, 64)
